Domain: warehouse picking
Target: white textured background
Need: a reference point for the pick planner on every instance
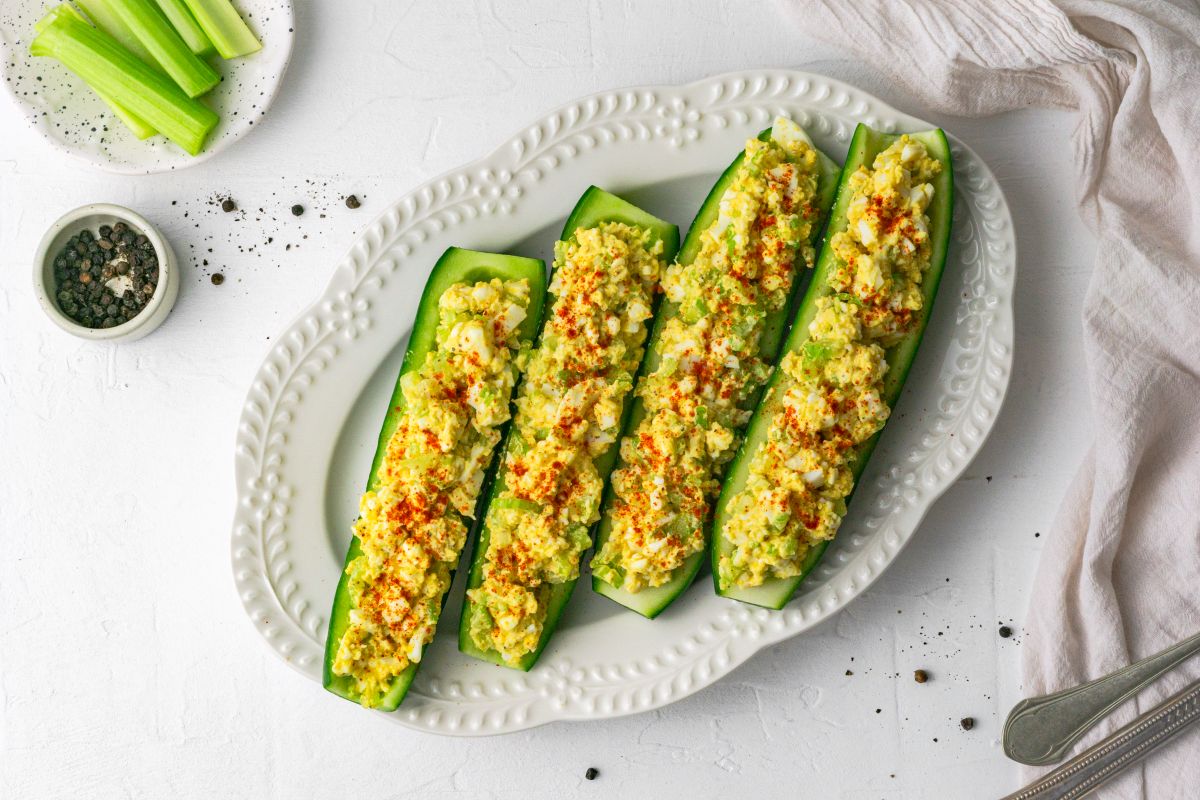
(127, 669)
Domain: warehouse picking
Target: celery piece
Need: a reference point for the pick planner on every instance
(105, 18)
(186, 26)
(115, 28)
(151, 28)
(225, 27)
(117, 74)
(140, 128)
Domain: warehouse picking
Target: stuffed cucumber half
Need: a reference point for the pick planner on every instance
(570, 410)
(853, 341)
(729, 297)
(474, 328)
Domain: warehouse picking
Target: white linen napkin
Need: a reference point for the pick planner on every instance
(1120, 575)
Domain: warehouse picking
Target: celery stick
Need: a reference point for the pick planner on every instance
(140, 128)
(186, 26)
(151, 28)
(225, 27)
(114, 72)
(105, 18)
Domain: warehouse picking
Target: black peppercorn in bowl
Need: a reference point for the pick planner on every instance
(102, 272)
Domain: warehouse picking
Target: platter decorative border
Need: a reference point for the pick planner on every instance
(973, 379)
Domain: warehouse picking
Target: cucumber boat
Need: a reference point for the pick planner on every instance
(458, 270)
(561, 447)
(775, 591)
(704, 471)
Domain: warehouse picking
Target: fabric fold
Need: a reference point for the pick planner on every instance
(1119, 577)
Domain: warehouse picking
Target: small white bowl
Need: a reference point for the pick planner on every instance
(92, 217)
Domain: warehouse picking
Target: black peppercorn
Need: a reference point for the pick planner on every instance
(297, 210)
(89, 261)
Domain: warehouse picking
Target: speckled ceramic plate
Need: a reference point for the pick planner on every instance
(70, 117)
(309, 425)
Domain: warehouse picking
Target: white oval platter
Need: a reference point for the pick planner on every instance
(309, 425)
(61, 108)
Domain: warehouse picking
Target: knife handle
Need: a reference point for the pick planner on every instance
(1042, 730)
(1127, 746)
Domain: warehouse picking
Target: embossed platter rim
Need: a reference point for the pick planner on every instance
(287, 531)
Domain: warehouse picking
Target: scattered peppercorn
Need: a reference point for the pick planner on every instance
(106, 280)
(920, 676)
(967, 723)
(352, 202)
(217, 279)
(591, 773)
(228, 205)
(1005, 632)
(297, 210)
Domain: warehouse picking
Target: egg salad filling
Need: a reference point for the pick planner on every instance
(709, 368)
(795, 495)
(412, 526)
(569, 411)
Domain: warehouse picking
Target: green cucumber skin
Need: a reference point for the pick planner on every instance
(866, 144)
(455, 266)
(651, 602)
(596, 206)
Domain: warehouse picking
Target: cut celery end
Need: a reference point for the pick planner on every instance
(225, 27)
(140, 128)
(176, 12)
(151, 28)
(102, 15)
(115, 73)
